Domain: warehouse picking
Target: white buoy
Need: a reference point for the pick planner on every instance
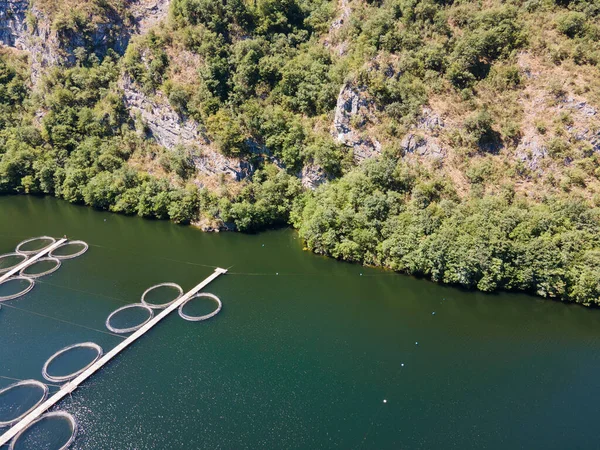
(416, 343)
(433, 313)
(402, 364)
(384, 400)
(277, 273)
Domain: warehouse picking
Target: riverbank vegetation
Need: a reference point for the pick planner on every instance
(508, 200)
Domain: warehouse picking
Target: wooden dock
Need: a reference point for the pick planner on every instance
(69, 387)
(30, 261)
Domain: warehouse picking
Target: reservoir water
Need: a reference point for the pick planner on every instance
(304, 352)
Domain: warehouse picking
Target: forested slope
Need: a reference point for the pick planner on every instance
(454, 140)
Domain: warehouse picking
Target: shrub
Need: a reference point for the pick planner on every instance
(479, 127)
(227, 133)
(571, 24)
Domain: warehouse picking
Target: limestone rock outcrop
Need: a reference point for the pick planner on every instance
(353, 111)
(169, 129)
(423, 138)
(13, 22)
(312, 176)
(50, 46)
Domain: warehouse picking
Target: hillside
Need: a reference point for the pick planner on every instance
(458, 141)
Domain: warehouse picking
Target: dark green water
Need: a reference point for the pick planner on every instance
(302, 359)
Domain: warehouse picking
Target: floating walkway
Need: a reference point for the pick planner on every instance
(29, 261)
(69, 387)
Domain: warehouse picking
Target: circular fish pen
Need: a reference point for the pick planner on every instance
(6, 265)
(204, 317)
(133, 328)
(31, 284)
(58, 251)
(158, 286)
(4, 421)
(62, 378)
(52, 269)
(24, 243)
(39, 423)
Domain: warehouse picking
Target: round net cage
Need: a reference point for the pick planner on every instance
(34, 245)
(47, 265)
(19, 399)
(9, 261)
(52, 431)
(61, 378)
(15, 287)
(156, 290)
(69, 250)
(121, 330)
(201, 317)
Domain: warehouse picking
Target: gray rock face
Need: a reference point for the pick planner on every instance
(13, 23)
(165, 125)
(147, 13)
(585, 129)
(312, 176)
(354, 110)
(581, 107)
(211, 162)
(49, 47)
(423, 138)
(344, 14)
(585, 126)
(531, 152)
(170, 130)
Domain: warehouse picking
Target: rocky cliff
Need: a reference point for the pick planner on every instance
(169, 129)
(34, 30)
(354, 110)
(13, 17)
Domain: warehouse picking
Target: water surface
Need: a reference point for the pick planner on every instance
(304, 351)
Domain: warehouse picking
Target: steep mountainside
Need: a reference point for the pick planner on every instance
(457, 140)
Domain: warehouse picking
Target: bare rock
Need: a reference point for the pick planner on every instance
(148, 13)
(169, 129)
(423, 138)
(214, 225)
(579, 106)
(354, 109)
(13, 23)
(50, 47)
(211, 162)
(531, 152)
(343, 16)
(312, 176)
(165, 125)
(574, 118)
(586, 124)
